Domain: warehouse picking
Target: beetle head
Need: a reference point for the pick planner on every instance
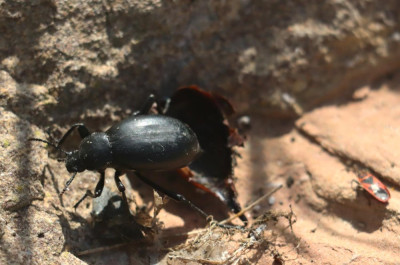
(73, 163)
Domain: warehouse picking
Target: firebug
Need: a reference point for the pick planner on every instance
(374, 187)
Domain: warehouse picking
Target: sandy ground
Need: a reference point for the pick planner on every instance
(315, 158)
(294, 67)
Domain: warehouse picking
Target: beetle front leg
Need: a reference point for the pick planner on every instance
(97, 191)
(68, 183)
(82, 129)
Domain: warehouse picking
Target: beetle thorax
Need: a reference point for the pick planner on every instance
(95, 151)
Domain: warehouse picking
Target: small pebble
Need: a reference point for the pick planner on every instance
(271, 200)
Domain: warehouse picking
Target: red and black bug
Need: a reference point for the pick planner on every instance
(374, 187)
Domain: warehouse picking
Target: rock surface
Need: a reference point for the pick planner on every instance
(332, 66)
(373, 134)
(267, 55)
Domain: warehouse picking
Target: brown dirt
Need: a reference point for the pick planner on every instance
(335, 222)
(319, 80)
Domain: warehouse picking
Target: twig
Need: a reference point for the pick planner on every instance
(251, 206)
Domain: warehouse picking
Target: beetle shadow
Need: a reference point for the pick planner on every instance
(47, 168)
(82, 237)
(103, 240)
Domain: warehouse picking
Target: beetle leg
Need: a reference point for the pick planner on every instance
(120, 185)
(100, 184)
(181, 198)
(163, 105)
(173, 195)
(88, 193)
(234, 205)
(146, 106)
(97, 191)
(82, 129)
(118, 182)
(68, 183)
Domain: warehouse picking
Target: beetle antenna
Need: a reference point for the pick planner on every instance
(68, 183)
(49, 143)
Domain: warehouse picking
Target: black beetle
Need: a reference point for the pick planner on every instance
(141, 143)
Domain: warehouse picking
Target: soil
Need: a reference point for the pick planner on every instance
(315, 158)
(320, 82)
